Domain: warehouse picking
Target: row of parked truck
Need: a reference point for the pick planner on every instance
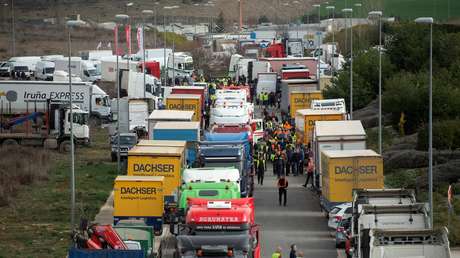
(370, 220)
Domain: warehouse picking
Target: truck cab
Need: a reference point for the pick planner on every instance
(220, 190)
(211, 175)
(220, 226)
(127, 141)
(181, 65)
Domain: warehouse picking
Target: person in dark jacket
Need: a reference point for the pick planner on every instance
(293, 253)
(282, 189)
(260, 169)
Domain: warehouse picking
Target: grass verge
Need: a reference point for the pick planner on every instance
(37, 222)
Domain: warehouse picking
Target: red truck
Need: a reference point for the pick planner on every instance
(153, 68)
(219, 228)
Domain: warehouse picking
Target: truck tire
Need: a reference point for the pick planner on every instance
(64, 147)
(10, 142)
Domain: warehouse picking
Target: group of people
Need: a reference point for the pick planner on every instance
(288, 155)
(267, 99)
(293, 253)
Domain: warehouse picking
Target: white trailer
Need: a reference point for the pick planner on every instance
(266, 82)
(109, 67)
(87, 97)
(259, 67)
(133, 83)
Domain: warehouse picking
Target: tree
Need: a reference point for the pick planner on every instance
(220, 23)
(263, 19)
(365, 79)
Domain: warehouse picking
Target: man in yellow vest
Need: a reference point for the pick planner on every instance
(277, 253)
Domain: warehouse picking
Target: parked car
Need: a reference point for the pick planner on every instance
(339, 213)
(343, 227)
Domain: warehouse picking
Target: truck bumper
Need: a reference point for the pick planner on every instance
(82, 141)
(155, 222)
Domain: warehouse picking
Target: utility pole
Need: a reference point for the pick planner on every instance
(13, 36)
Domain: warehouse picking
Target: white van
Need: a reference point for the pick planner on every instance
(44, 70)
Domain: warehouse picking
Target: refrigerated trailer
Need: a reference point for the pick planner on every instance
(86, 96)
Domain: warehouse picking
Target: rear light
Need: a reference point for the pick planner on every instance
(338, 219)
(230, 253)
(199, 252)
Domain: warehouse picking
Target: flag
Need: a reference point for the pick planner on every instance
(99, 45)
(140, 39)
(115, 33)
(128, 38)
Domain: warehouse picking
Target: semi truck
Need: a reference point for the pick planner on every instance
(404, 217)
(300, 100)
(207, 190)
(32, 113)
(220, 228)
(87, 97)
(84, 69)
(266, 82)
(186, 102)
(305, 120)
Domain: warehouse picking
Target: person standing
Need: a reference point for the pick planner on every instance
(282, 190)
(293, 253)
(260, 169)
(310, 168)
(277, 253)
(288, 160)
(295, 162)
(301, 161)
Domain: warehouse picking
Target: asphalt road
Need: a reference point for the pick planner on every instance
(301, 222)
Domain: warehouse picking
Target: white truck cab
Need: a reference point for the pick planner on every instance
(44, 70)
(232, 115)
(211, 175)
(181, 64)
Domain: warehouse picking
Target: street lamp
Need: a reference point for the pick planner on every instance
(331, 7)
(429, 20)
(145, 13)
(13, 36)
(119, 19)
(71, 24)
(378, 15)
(350, 11)
(319, 12)
(359, 14)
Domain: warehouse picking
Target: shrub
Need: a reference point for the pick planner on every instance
(446, 136)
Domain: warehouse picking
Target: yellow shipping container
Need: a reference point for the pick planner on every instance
(302, 100)
(185, 102)
(162, 143)
(345, 170)
(139, 197)
(305, 121)
(158, 161)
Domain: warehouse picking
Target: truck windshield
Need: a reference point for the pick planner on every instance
(21, 68)
(127, 140)
(188, 66)
(92, 72)
(49, 70)
(223, 164)
(80, 118)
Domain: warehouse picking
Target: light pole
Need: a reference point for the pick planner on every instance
(13, 36)
(429, 20)
(378, 15)
(144, 14)
(318, 47)
(120, 19)
(359, 9)
(331, 7)
(350, 11)
(71, 24)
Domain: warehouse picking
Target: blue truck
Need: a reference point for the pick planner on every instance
(229, 149)
(179, 131)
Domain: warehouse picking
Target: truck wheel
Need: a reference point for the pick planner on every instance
(10, 142)
(64, 147)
